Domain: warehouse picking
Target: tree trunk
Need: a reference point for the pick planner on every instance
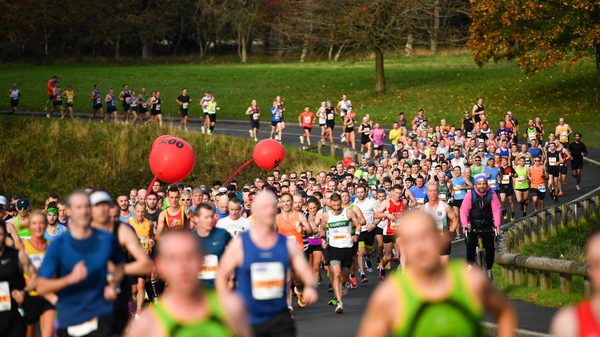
(146, 48)
(117, 46)
(330, 51)
(339, 52)
(408, 49)
(244, 49)
(45, 40)
(304, 50)
(436, 26)
(597, 72)
(379, 72)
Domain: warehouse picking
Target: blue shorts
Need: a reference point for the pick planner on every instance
(69, 105)
(97, 106)
(126, 107)
(51, 97)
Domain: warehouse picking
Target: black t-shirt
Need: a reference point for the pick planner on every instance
(185, 100)
(576, 149)
(152, 217)
(341, 177)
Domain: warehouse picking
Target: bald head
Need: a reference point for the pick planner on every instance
(172, 241)
(223, 201)
(264, 209)
(422, 244)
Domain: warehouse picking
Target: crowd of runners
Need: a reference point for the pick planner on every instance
(98, 262)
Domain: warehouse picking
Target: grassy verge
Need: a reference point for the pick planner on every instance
(568, 244)
(40, 156)
(443, 86)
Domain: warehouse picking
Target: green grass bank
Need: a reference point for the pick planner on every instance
(40, 156)
(443, 85)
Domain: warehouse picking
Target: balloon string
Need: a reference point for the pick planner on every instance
(150, 187)
(238, 170)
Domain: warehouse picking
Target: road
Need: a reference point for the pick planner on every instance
(319, 319)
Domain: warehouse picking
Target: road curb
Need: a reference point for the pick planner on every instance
(592, 162)
(491, 329)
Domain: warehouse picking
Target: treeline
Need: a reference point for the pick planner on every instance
(47, 30)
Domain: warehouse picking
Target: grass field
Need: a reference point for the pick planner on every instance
(443, 86)
(57, 156)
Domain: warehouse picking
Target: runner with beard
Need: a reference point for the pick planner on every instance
(53, 229)
(129, 242)
(155, 286)
(213, 240)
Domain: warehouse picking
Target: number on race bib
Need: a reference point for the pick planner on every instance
(552, 161)
(210, 266)
(330, 117)
(492, 183)
(505, 179)
(5, 304)
(144, 242)
(520, 180)
(542, 188)
(157, 107)
(184, 105)
(255, 116)
(268, 280)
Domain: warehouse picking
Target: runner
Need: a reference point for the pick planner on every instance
(14, 94)
(365, 139)
(183, 100)
(173, 218)
(69, 94)
(20, 223)
(537, 175)
(111, 104)
(254, 112)
(261, 259)
(344, 105)
(212, 107)
(456, 300)
(306, 120)
(460, 186)
(444, 217)
(187, 309)
(506, 189)
(126, 99)
(553, 162)
(330, 114)
(204, 101)
(578, 151)
(53, 228)
(133, 244)
(143, 106)
(124, 212)
(276, 115)
(480, 215)
(366, 239)
(563, 132)
(345, 195)
(376, 136)
(349, 122)
(582, 320)
(234, 223)
(155, 108)
(134, 108)
(282, 109)
(391, 211)
(51, 84)
(314, 253)
(492, 172)
(75, 266)
(57, 102)
(321, 113)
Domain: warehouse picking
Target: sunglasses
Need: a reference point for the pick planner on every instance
(186, 199)
(21, 208)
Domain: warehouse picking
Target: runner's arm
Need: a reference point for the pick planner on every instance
(361, 218)
(382, 310)
(235, 311)
(141, 264)
(565, 323)
(300, 265)
(10, 228)
(380, 214)
(160, 225)
(411, 197)
(497, 303)
(452, 216)
(29, 269)
(465, 209)
(308, 226)
(231, 259)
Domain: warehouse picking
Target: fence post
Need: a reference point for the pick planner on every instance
(532, 278)
(526, 228)
(597, 205)
(544, 226)
(510, 275)
(333, 146)
(553, 222)
(574, 212)
(585, 211)
(535, 227)
(545, 280)
(509, 240)
(563, 216)
(521, 233)
(587, 288)
(320, 148)
(566, 283)
(519, 276)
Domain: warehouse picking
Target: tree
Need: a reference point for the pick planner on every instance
(539, 33)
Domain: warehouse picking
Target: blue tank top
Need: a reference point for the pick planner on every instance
(275, 117)
(60, 231)
(98, 99)
(504, 153)
(419, 194)
(459, 194)
(493, 179)
(112, 102)
(420, 119)
(262, 279)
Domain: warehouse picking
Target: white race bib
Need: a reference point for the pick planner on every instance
(307, 120)
(184, 105)
(330, 117)
(255, 116)
(268, 280)
(4, 297)
(339, 236)
(563, 137)
(394, 224)
(144, 105)
(552, 161)
(157, 107)
(520, 180)
(505, 179)
(36, 260)
(542, 188)
(83, 328)
(144, 242)
(420, 201)
(442, 196)
(492, 183)
(210, 266)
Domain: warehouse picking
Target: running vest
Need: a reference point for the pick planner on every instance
(439, 216)
(588, 327)
(563, 133)
(475, 170)
(340, 230)
(11, 278)
(503, 153)
(177, 221)
(98, 99)
(537, 181)
(60, 230)
(459, 194)
(70, 96)
(205, 101)
(14, 94)
(111, 103)
(553, 160)
(134, 102)
(288, 228)
(367, 131)
(397, 210)
(255, 113)
(262, 279)
(58, 97)
(142, 230)
(156, 106)
(213, 325)
(459, 314)
(144, 100)
(330, 115)
(126, 97)
(522, 182)
(532, 133)
(35, 256)
(24, 233)
(443, 191)
(493, 179)
(419, 194)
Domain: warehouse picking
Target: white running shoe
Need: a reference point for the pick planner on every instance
(301, 139)
(577, 187)
(251, 133)
(339, 309)
(276, 137)
(202, 129)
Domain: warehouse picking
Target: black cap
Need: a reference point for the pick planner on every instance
(11, 208)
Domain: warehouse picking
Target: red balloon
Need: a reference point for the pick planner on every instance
(172, 159)
(268, 154)
(159, 139)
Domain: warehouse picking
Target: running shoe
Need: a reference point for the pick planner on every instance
(504, 214)
(577, 187)
(137, 316)
(388, 265)
(363, 278)
(490, 275)
(330, 288)
(353, 284)
(47, 115)
(202, 129)
(340, 308)
(345, 289)
(184, 129)
(301, 302)
(381, 275)
(276, 137)
(369, 266)
(256, 139)
(343, 138)
(560, 194)
(379, 265)
(209, 132)
(512, 216)
(45, 108)
(251, 134)
(301, 139)
(395, 259)
(552, 194)
(62, 117)
(291, 310)
(332, 302)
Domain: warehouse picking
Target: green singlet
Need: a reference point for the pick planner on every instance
(459, 314)
(214, 325)
(24, 233)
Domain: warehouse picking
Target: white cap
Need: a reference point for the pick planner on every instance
(2, 200)
(223, 190)
(100, 196)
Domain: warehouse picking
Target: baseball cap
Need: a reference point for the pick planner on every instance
(303, 194)
(99, 197)
(23, 203)
(11, 208)
(69, 86)
(207, 91)
(480, 177)
(2, 200)
(223, 190)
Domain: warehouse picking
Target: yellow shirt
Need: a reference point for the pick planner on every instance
(142, 230)
(70, 96)
(35, 256)
(395, 135)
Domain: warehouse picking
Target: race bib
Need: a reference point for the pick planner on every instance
(255, 116)
(144, 105)
(394, 224)
(70, 98)
(307, 120)
(442, 196)
(36, 260)
(144, 242)
(15, 95)
(532, 136)
(268, 280)
(340, 235)
(157, 107)
(520, 180)
(552, 161)
(420, 201)
(128, 100)
(4, 297)
(563, 137)
(210, 266)
(363, 228)
(492, 183)
(505, 179)
(98, 100)
(542, 188)
(330, 117)
(184, 105)
(83, 328)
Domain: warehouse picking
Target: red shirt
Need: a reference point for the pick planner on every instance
(307, 119)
